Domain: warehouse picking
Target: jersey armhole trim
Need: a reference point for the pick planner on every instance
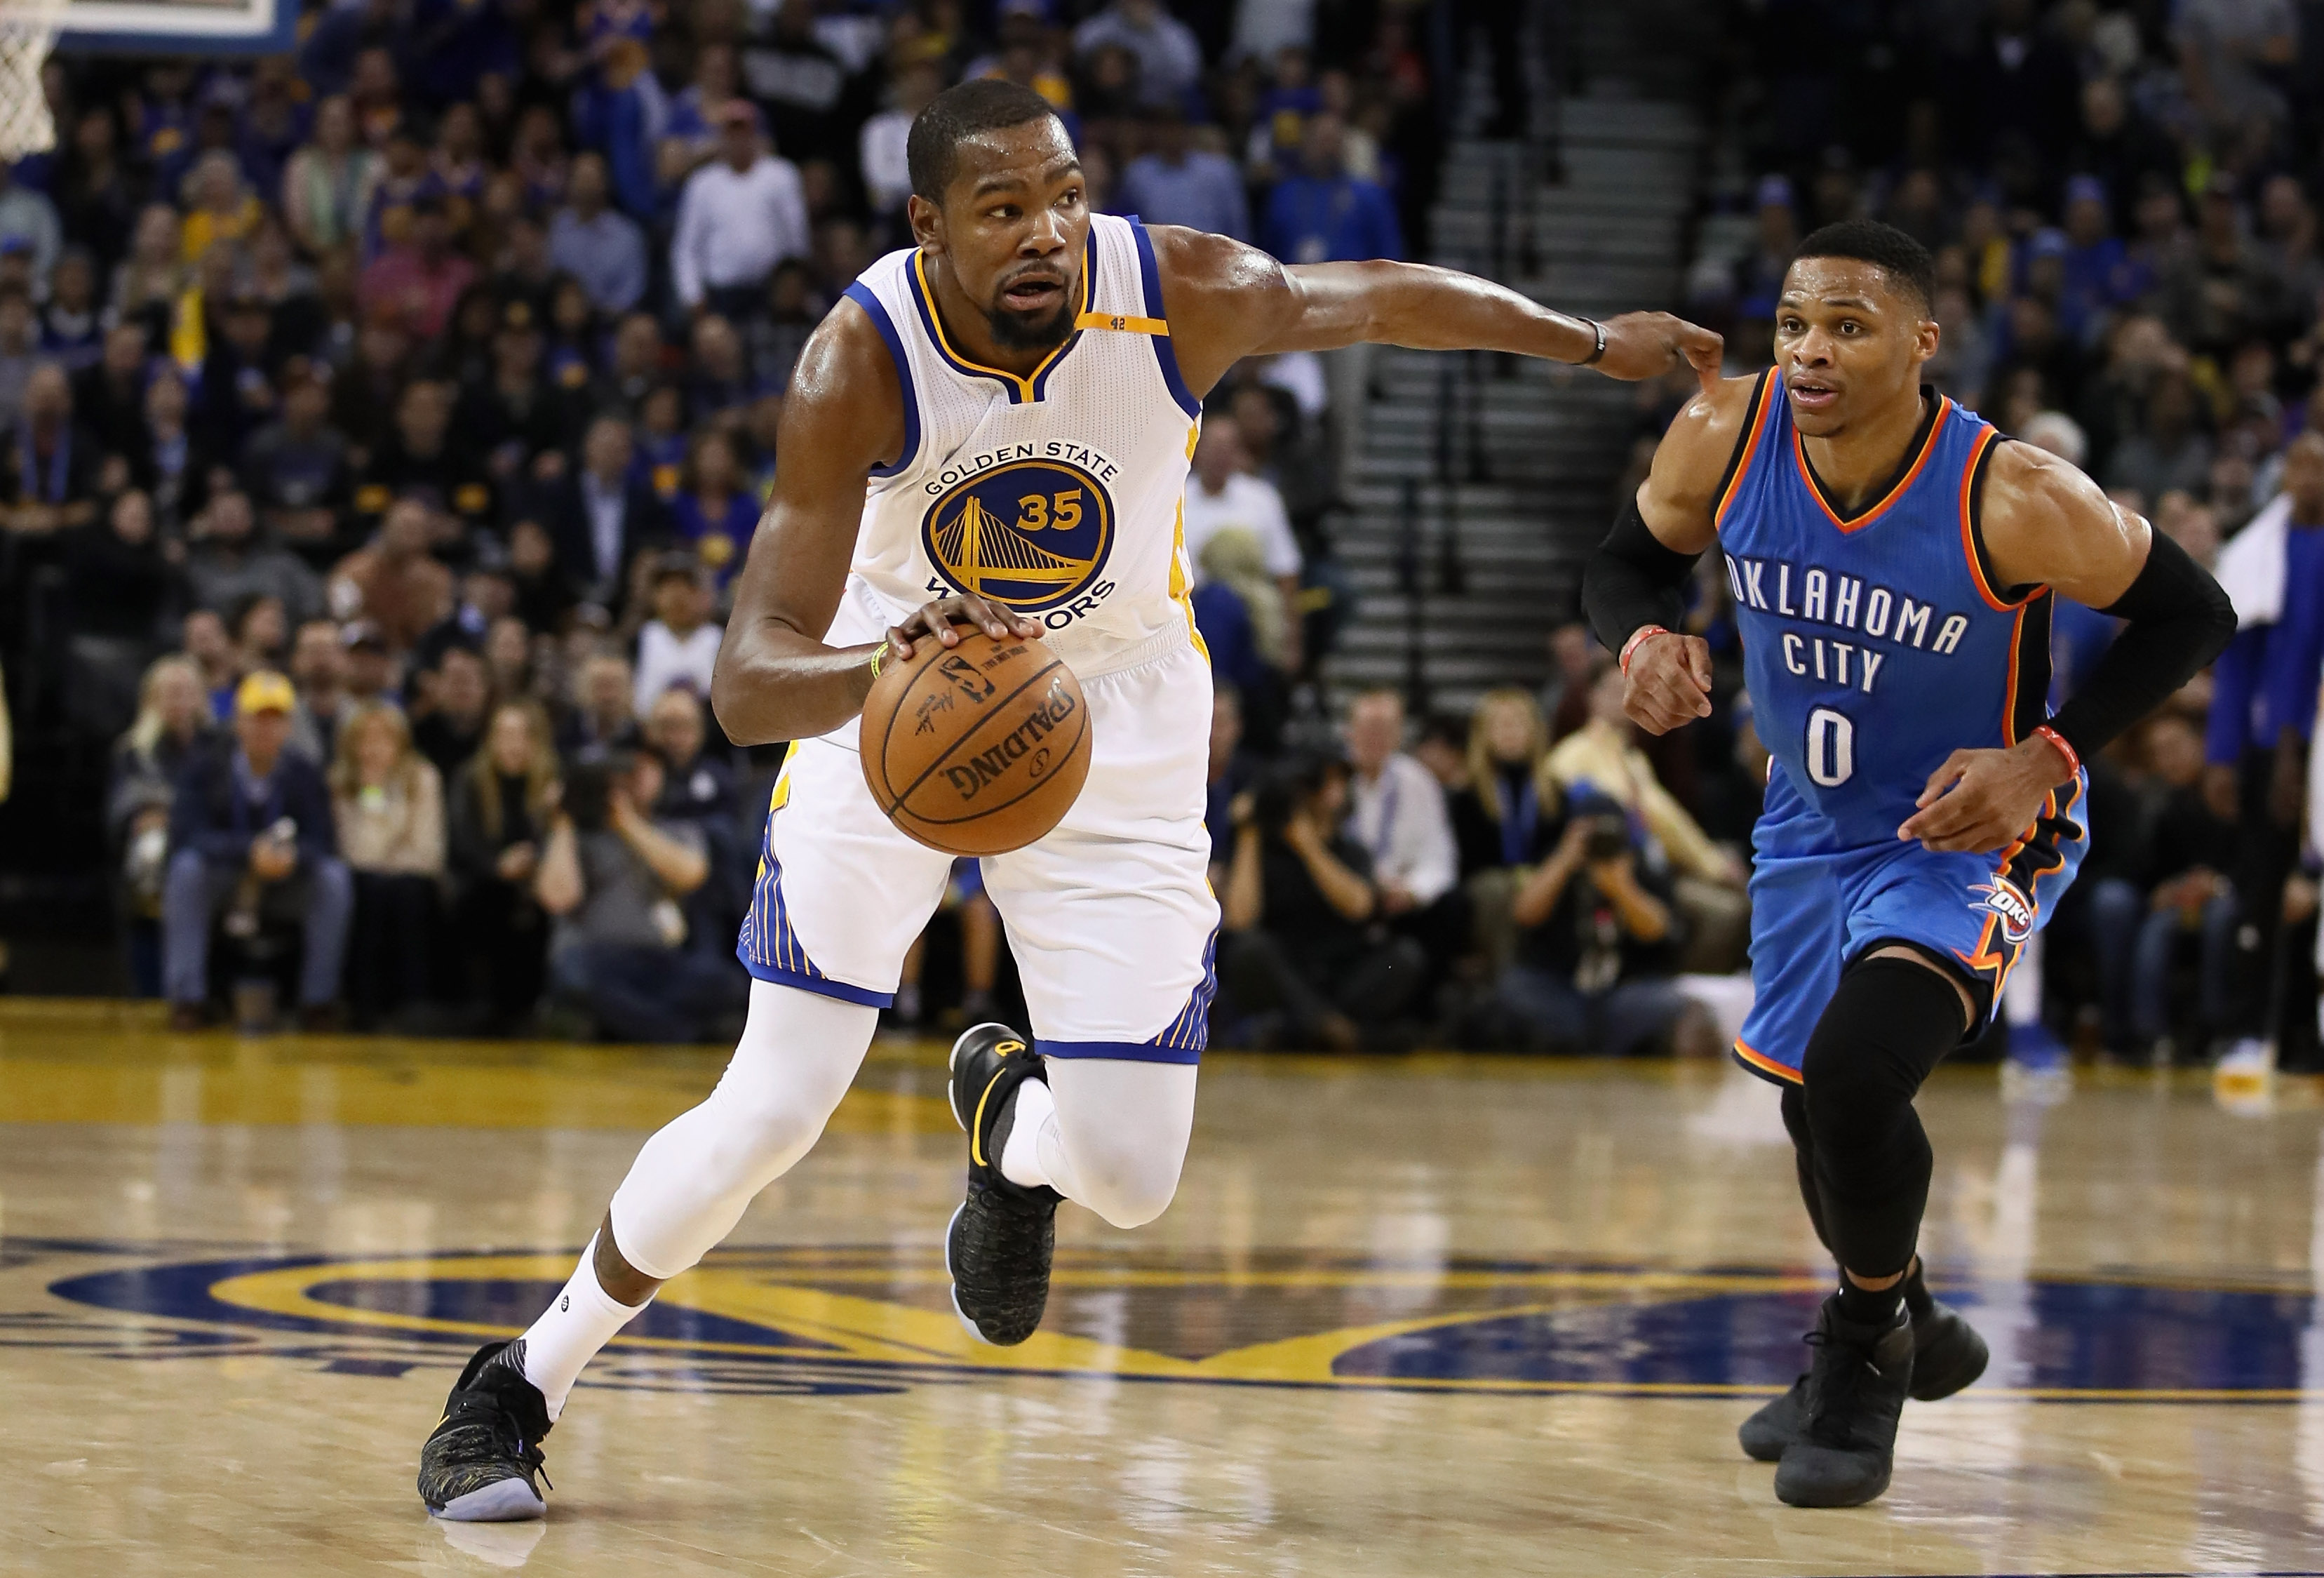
(1972, 518)
(863, 296)
(1747, 445)
(1165, 353)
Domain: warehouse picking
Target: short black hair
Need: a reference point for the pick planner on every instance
(988, 104)
(1907, 263)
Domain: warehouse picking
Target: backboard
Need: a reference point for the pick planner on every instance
(180, 27)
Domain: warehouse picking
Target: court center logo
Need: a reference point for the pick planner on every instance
(852, 1319)
(1031, 531)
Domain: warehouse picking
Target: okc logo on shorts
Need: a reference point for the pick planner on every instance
(1029, 535)
(2014, 911)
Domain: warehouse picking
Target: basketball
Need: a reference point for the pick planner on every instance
(977, 749)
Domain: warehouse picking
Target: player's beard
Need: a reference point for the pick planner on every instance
(1016, 331)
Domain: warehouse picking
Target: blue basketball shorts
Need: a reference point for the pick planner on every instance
(1817, 908)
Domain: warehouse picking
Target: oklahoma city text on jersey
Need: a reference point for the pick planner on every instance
(1840, 602)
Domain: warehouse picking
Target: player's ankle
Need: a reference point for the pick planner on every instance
(1870, 1307)
(1030, 1106)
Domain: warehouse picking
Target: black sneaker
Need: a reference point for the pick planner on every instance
(1947, 1356)
(999, 1241)
(1855, 1394)
(480, 1463)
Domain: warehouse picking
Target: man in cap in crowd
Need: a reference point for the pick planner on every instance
(250, 837)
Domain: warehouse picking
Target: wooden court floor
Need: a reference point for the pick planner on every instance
(1426, 1316)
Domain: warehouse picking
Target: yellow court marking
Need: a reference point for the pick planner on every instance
(579, 1094)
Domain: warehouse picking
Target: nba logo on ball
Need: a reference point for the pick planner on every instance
(1031, 535)
(2014, 911)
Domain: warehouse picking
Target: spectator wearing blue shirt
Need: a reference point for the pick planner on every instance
(2265, 684)
(716, 514)
(2263, 701)
(1177, 184)
(618, 111)
(251, 832)
(2099, 275)
(597, 245)
(1169, 57)
(1323, 213)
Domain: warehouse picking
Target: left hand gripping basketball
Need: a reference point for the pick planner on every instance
(972, 743)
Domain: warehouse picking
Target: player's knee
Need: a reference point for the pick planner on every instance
(1890, 1022)
(1128, 1187)
(764, 1127)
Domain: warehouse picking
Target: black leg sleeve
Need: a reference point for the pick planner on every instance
(1889, 1023)
(1795, 1124)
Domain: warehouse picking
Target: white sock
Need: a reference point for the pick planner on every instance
(1020, 1158)
(577, 1323)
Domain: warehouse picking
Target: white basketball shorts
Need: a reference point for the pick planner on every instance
(1110, 917)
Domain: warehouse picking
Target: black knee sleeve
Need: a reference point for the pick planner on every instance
(1889, 1023)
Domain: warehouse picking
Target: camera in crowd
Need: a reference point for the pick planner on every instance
(1609, 837)
(1293, 783)
(589, 791)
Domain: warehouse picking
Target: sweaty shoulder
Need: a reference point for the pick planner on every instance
(1694, 462)
(1224, 300)
(845, 397)
(2045, 523)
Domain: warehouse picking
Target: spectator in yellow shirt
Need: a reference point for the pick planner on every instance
(220, 206)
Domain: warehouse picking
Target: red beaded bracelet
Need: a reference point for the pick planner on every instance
(1631, 646)
(2073, 757)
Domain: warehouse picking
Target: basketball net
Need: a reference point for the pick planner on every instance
(27, 29)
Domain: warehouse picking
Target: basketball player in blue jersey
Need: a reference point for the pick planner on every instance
(1894, 561)
(991, 430)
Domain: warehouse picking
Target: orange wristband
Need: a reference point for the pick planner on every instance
(1631, 646)
(2073, 757)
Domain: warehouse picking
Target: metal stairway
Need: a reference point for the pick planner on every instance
(1482, 481)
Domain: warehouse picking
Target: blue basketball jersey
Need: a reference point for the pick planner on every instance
(1874, 644)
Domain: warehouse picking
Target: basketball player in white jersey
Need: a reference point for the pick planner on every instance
(991, 430)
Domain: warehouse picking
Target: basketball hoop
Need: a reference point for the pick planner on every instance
(27, 29)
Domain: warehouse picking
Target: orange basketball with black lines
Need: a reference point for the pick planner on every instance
(977, 749)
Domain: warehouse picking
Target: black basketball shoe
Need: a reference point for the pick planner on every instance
(1856, 1393)
(999, 1241)
(480, 1463)
(1947, 1355)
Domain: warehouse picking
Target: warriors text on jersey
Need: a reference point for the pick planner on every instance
(1055, 494)
(1877, 643)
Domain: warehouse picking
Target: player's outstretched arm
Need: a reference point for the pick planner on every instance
(1633, 588)
(1227, 300)
(2045, 524)
(775, 678)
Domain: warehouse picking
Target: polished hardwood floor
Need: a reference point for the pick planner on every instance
(1431, 1315)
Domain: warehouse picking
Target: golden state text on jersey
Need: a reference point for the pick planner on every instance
(1029, 526)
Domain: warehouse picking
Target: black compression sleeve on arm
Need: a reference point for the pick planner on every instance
(1633, 580)
(2180, 620)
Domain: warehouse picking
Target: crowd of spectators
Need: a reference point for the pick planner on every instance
(2122, 199)
(381, 429)
(382, 426)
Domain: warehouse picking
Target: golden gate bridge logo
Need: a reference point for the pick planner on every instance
(1032, 535)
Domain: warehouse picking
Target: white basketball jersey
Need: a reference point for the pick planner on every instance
(1056, 494)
